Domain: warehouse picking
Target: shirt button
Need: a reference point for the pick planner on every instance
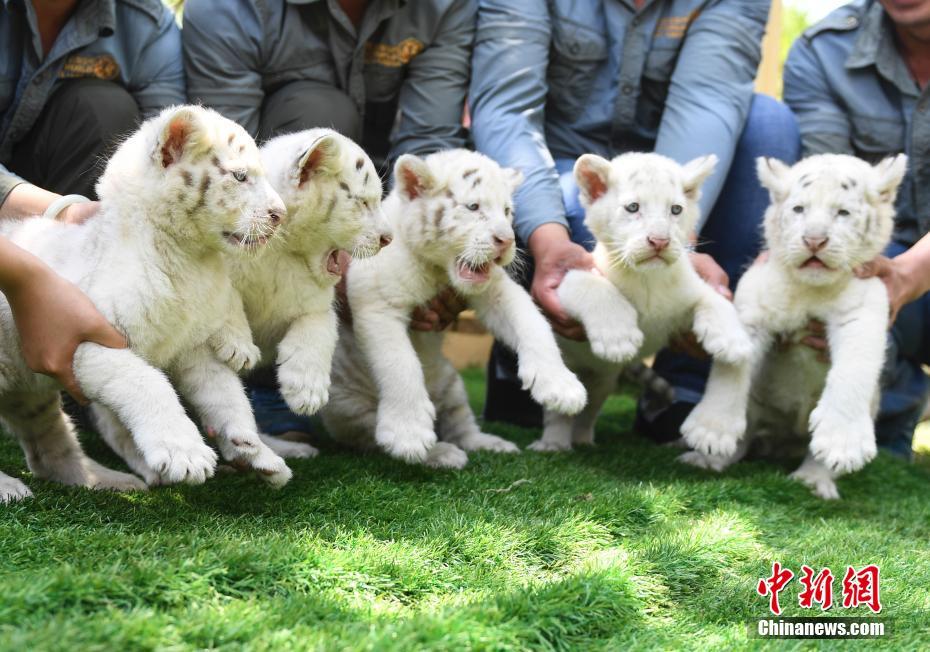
(852, 21)
(627, 89)
(574, 48)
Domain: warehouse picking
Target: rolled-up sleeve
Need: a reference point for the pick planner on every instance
(8, 181)
(825, 126)
(432, 97)
(508, 98)
(222, 58)
(712, 87)
(158, 79)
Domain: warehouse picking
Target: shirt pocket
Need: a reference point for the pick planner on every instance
(576, 57)
(657, 78)
(875, 138)
(382, 83)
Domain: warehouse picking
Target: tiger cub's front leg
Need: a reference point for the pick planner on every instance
(405, 412)
(305, 360)
(510, 314)
(233, 343)
(718, 327)
(217, 395)
(609, 320)
(455, 422)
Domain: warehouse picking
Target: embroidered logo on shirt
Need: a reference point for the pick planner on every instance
(393, 56)
(102, 66)
(675, 26)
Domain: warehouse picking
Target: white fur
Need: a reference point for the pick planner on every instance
(450, 214)
(787, 392)
(333, 195)
(636, 299)
(154, 263)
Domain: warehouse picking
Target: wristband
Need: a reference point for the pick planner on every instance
(61, 204)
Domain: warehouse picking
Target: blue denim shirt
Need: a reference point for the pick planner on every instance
(135, 43)
(853, 94)
(559, 78)
(407, 63)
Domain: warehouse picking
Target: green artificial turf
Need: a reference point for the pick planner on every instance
(616, 548)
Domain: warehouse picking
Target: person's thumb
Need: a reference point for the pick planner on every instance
(875, 267)
(105, 335)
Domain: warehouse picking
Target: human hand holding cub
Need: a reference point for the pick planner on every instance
(53, 317)
(555, 254)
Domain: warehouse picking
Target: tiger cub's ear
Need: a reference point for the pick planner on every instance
(696, 172)
(592, 173)
(413, 178)
(182, 135)
(322, 157)
(773, 175)
(889, 174)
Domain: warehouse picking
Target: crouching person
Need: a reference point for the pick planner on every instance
(858, 82)
(391, 76)
(555, 80)
(88, 72)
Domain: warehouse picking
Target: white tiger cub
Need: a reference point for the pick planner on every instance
(182, 193)
(829, 214)
(333, 195)
(644, 290)
(451, 218)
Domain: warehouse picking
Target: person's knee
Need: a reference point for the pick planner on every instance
(101, 111)
(771, 130)
(304, 105)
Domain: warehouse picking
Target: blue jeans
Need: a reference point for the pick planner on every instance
(272, 414)
(905, 386)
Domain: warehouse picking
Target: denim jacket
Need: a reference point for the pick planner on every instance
(560, 78)
(135, 43)
(853, 94)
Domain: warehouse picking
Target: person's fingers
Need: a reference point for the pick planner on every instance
(687, 343)
(70, 384)
(445, 313)
(761, 258)
(424, 326)
(108, 336)
(424, 319)
(878, 266)
(548, 300)
(814, 342)
(893, 314)
(572, 331)
(725, 291)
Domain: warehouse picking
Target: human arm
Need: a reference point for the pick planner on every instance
(906, 276)
(711, 88)
(824, 122)
(157, 78)
(26, 200)
(52, 316)
(508, 98)
(432, 97)
(222, 58)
